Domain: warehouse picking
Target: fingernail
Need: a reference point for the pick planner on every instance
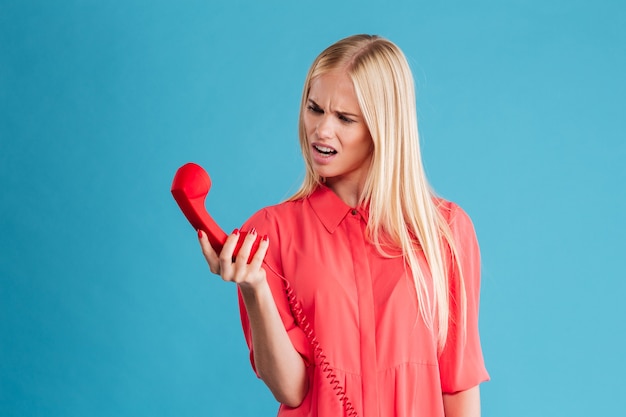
(253, 231)
(236, 232)
(200, 233)
(266, 238)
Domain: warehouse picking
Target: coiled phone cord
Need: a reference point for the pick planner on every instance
(318, 353)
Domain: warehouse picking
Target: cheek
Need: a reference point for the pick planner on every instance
(308, 124)
(365, 143)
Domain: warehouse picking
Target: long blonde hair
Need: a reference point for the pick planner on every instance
(402, 207)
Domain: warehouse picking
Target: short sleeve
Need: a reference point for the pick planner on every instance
(266, 224)
(461, 363)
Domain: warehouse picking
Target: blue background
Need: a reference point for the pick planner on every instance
(106, 305)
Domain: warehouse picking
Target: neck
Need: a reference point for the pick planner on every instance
(348, 192)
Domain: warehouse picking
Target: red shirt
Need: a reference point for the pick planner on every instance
(362, 310)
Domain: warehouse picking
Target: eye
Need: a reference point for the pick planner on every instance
(314, 108)
(344, 118)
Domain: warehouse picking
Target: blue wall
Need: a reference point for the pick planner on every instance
(106, 305)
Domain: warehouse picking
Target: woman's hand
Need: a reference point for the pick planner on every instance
(238, 271)
(278, 363)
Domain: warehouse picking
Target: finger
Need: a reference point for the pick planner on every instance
(257, 259)
(229, 245)
(226, 256)
(244, 251)
(209, 253)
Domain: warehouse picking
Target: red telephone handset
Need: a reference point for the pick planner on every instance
(190, 187)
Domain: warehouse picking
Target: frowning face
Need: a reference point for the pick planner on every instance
(340, 143)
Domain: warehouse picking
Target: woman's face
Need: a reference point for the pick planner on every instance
(339, 141)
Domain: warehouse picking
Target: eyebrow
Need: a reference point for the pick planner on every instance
(344, 113)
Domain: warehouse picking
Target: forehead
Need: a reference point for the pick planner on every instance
(334, 86)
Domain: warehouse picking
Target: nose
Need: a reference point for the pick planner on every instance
(325, 128)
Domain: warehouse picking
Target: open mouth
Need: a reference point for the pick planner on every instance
(325, 150)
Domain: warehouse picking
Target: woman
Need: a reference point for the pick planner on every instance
(362, 298)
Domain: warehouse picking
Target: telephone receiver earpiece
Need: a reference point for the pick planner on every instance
(190, 187)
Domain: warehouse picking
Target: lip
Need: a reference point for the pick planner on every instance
(319, 157)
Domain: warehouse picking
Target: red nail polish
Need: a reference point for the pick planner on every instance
(199, 233)
(266, 238)
(236, 232)
(253, 231)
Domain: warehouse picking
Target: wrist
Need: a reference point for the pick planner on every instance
(256, 296)
(253, 289)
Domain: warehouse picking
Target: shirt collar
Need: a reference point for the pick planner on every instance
(330, 209)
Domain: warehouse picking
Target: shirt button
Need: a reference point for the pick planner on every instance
(354, 212)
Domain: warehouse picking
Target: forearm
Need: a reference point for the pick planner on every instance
(277, 362)
(462, 404)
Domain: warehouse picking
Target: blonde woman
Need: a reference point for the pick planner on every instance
(362, 298)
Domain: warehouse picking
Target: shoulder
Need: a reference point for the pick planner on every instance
(280, 223)
(454, 215)
(272, 217)
(460, 232)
